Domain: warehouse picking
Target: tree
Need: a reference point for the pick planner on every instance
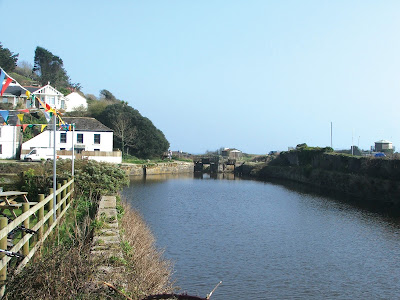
(140, 137)
(126, 131)
(107, 95)
(49, 68)
(8, 60)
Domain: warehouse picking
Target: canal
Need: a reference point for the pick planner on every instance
(267, 241)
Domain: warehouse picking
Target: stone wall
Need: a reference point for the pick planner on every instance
(383, 194)
(159, 168)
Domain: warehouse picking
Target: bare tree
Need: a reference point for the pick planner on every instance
(124, 130)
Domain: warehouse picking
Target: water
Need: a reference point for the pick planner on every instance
(265, 241)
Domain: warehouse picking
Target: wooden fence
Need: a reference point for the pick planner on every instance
(45, 223)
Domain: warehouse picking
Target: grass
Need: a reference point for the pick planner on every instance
(66, 269)
(146, 269)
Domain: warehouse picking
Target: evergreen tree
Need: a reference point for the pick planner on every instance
(49, 68)
(134, 133)
(8, 60)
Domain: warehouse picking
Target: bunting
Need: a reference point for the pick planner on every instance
(47, 116)
(43, 127)
(48, 110)
(20, 117)
(8, 81)
(2, 77)
(24, 127)
(4, 114)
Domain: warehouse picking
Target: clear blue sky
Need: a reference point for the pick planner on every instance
(254, 75)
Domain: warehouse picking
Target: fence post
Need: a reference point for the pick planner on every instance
(41, 217)
(69, 190)
(25, 247)
(51, 202)
(58, 199)
(3, 245)
(64, 193)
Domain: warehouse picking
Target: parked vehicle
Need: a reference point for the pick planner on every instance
(39, 154)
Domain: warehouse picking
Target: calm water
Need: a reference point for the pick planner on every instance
(265, 241)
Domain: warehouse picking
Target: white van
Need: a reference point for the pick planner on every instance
(39, 154)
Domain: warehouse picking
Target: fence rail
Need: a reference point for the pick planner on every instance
(45, 223)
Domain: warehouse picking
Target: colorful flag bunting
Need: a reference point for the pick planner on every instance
(4, 114)
(24, 127)
(47, 116)
(43, 127)
(8, 81)
(24, 110)
(20, 117)
(2, 76)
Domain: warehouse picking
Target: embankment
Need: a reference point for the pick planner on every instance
(374, 181)
(176, 167)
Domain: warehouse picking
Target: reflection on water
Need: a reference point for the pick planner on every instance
(268, 241)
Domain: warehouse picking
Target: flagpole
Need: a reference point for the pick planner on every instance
(73, 150)
(54, 170)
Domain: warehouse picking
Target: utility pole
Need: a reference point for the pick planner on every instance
(331, 136)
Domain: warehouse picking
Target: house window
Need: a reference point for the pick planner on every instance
(51, 100)
(62, 104)
(5, 100)
(63, 137)
(0, 131)
(79, 138)
(96, 149)
(1, 149)
(97, 138)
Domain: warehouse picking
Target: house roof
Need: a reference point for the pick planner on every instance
(86, 124)
(16, 90)
(383, 142)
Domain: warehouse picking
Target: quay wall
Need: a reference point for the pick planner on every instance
(159, 168)
(372, 181)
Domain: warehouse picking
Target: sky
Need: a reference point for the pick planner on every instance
(256, 75)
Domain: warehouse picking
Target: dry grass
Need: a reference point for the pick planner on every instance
(147, 272)
(62, 273)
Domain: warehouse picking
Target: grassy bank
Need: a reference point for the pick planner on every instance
(64, 267)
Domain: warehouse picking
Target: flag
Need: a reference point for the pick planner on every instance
(43, 127)
(4, 114)
(2, 76)
(47, 115)
(24, 110)
(24, 127)
(8, 81)
(20, 117)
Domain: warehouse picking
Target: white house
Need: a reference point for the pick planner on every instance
(15, 94)
(91, 139)
(10, 137)
(50, 96)
(75, 101)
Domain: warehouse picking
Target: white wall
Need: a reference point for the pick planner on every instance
(45, 139)
(74, 100)
(9, 141)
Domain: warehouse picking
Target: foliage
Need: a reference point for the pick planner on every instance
(94, 178)
(96, 108)
(33, 118)
(107, 95)
(49, 68)
(148, 142)
(8, 60)
(24, 74)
